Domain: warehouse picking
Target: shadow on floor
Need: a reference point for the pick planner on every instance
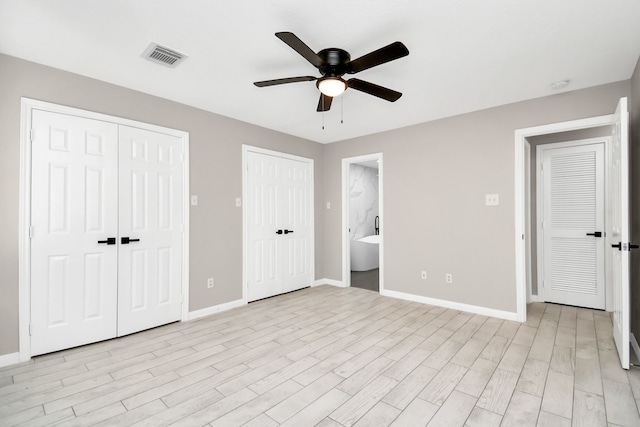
(369, 280)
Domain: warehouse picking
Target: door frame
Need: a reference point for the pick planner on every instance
(27, 106)
(346, 241)
(245, 235)
(520, 178)
(540, 210)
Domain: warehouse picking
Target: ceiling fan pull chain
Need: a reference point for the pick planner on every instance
(322, 112)
(341, 109)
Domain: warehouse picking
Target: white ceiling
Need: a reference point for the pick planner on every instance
(465, 55)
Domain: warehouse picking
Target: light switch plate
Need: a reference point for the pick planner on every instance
(194, 200)
(238, 202)
(492, 199)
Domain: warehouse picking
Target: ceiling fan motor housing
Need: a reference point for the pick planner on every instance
(334, 62)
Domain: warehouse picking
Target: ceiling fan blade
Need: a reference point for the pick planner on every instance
(298, 45)
(285, 80)
(375, 90)
(384, 54)
(324, 103)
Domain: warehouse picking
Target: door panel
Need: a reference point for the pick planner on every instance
(264, 245)
(74, 205)
(150, 278)
(619, 194)
(297, 217)
(573, 209)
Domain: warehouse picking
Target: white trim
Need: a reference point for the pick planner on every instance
(24, 220)
(24, 242)
(245, 149)
(634, 345)
(346, 242)
(9, 359)
(520, 136)
(186, 227)
(527, 220)
(216, 309)
(330, 282)
(476, 309)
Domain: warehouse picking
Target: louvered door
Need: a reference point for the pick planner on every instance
(573, 225)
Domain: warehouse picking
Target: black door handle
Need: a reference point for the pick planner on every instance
(279, 232)
(109, 241)
(126, 240)
(288, 231)
(595, 234)
(628, 246)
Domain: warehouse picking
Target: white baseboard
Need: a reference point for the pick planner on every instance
(331, 282)
(534, 298)
(634, 345)
(507, 315)
(216, 309)
(9, 359)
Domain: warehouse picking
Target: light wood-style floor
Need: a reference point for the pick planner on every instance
(327, 356)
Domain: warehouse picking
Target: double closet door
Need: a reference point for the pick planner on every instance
(279, 238)
(106, 230)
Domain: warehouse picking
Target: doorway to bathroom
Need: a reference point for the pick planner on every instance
(363, 222)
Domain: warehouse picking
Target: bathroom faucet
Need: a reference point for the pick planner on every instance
(377, 224)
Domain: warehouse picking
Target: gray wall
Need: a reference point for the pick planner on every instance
(550, 139)
(635, 199)
(215, 176)
(436, 176)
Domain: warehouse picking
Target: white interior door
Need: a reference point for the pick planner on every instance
(619, 202)
(264, 252)
(150, 230)
(573, 225)
(279, 225)
(74, 208)
(296, 220)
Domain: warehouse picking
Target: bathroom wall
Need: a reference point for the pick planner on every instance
(363, 193)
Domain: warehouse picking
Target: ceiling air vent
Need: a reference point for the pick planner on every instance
(163, 55)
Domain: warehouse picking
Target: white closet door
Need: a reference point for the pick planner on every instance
(296, 220)
(573, 215)
(264, 251)
(150, 265)
(74, 207)
(279, 225)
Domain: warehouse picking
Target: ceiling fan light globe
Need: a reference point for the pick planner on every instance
(332, 86)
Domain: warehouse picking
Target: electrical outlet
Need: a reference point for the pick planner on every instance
(492, 199)
(423, 275)
(210, 282)
(448, 278)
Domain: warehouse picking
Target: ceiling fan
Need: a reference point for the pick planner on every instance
(333, 63)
